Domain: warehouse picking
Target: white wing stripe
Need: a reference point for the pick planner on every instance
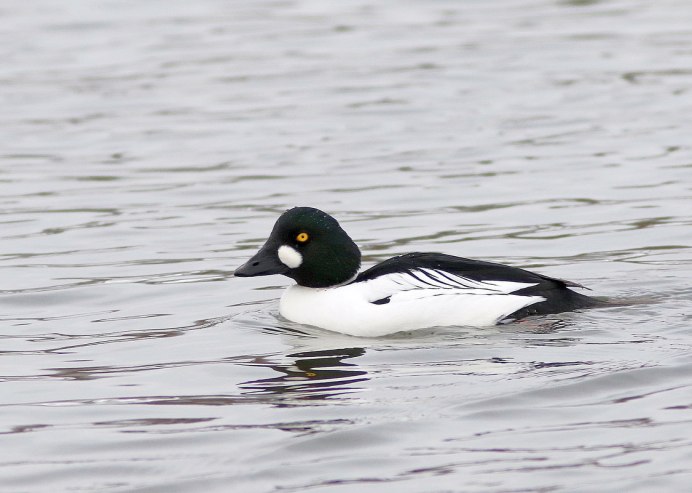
(433, 282)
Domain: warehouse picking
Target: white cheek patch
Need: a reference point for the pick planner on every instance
(290, 257)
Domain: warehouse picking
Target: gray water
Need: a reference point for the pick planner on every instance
(146, 148)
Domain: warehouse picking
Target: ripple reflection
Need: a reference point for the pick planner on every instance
(311, 375)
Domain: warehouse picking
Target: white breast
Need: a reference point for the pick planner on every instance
(420, 299)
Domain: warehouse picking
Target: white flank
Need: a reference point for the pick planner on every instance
(290, 257)
(423, 298)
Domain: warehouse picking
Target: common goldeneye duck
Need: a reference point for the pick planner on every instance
(408, 292)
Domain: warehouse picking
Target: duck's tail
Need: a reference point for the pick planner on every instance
(566, 301)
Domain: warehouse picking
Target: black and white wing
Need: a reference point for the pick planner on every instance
(418, 275)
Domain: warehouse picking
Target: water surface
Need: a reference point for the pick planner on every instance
(148, 147)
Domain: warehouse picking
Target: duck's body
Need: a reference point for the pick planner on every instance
(420, 290)
(409, 292)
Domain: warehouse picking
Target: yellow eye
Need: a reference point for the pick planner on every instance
(302, 237)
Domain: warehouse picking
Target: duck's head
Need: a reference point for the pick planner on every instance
(307, 245)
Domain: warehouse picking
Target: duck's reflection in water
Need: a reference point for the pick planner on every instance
(310, 375)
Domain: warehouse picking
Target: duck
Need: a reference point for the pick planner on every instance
(403, 293)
